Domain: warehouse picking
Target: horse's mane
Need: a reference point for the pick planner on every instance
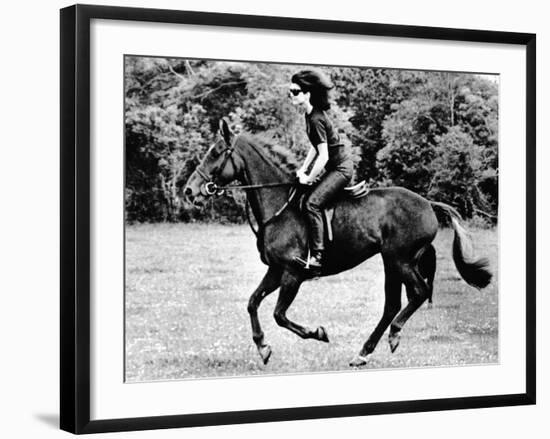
(283, 158)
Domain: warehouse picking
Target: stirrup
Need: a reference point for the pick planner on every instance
(306, 264)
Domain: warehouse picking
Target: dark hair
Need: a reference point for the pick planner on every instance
(317, 84)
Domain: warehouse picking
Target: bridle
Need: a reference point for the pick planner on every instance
(210, 187)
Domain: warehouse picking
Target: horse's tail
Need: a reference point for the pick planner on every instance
(474, 271)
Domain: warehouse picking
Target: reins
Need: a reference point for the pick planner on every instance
(211, 188)
(272, 218)
(253, 186)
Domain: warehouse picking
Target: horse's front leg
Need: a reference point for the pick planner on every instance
(269, 283)
(290, 284)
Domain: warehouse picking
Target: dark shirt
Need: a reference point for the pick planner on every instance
(320, 130)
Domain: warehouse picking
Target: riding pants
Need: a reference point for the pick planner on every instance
(332, 183)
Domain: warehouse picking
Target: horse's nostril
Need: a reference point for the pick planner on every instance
(188, 191)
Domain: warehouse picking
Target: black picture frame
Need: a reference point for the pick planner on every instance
(75, 217)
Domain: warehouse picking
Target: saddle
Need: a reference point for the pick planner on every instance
(296, 198)
(356, 191)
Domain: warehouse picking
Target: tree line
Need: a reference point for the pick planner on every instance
(435, 133)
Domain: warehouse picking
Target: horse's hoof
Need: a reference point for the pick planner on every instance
(265, 353)
(430, 305)
(322, 334)
(393, 340)
(358, 361)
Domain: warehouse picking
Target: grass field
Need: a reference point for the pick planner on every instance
(187, 288)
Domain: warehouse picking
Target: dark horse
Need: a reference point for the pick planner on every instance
(395, 222)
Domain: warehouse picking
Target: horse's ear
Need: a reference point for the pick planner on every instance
(226, 132)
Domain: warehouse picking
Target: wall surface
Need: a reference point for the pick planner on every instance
(30, 204)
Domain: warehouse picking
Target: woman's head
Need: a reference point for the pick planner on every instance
(316, 84)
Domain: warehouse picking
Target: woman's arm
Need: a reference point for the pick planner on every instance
(321, 160)
(309, 158)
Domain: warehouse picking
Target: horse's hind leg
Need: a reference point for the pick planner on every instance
(417, 293)
(392, 305)
(427, 267)
(290, 283)
(269, 283)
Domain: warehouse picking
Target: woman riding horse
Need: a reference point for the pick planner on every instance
(392, 221)
(309, 92)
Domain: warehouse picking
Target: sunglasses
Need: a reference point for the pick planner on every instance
(294, 91)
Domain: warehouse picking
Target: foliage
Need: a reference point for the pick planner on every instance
(433, 132)
(442, 142)
(368, 94)
(455, 170)
(409, 134)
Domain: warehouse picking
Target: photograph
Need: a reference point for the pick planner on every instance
(284, 219)
(270, 218)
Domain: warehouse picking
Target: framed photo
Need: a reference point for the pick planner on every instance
(386, 173)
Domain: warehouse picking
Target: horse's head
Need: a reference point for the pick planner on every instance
(218, 167)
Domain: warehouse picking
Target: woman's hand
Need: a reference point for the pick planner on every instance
(302, 177)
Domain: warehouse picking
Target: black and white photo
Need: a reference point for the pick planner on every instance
(239, 185)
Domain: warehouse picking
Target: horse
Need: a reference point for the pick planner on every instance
(393, 221)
